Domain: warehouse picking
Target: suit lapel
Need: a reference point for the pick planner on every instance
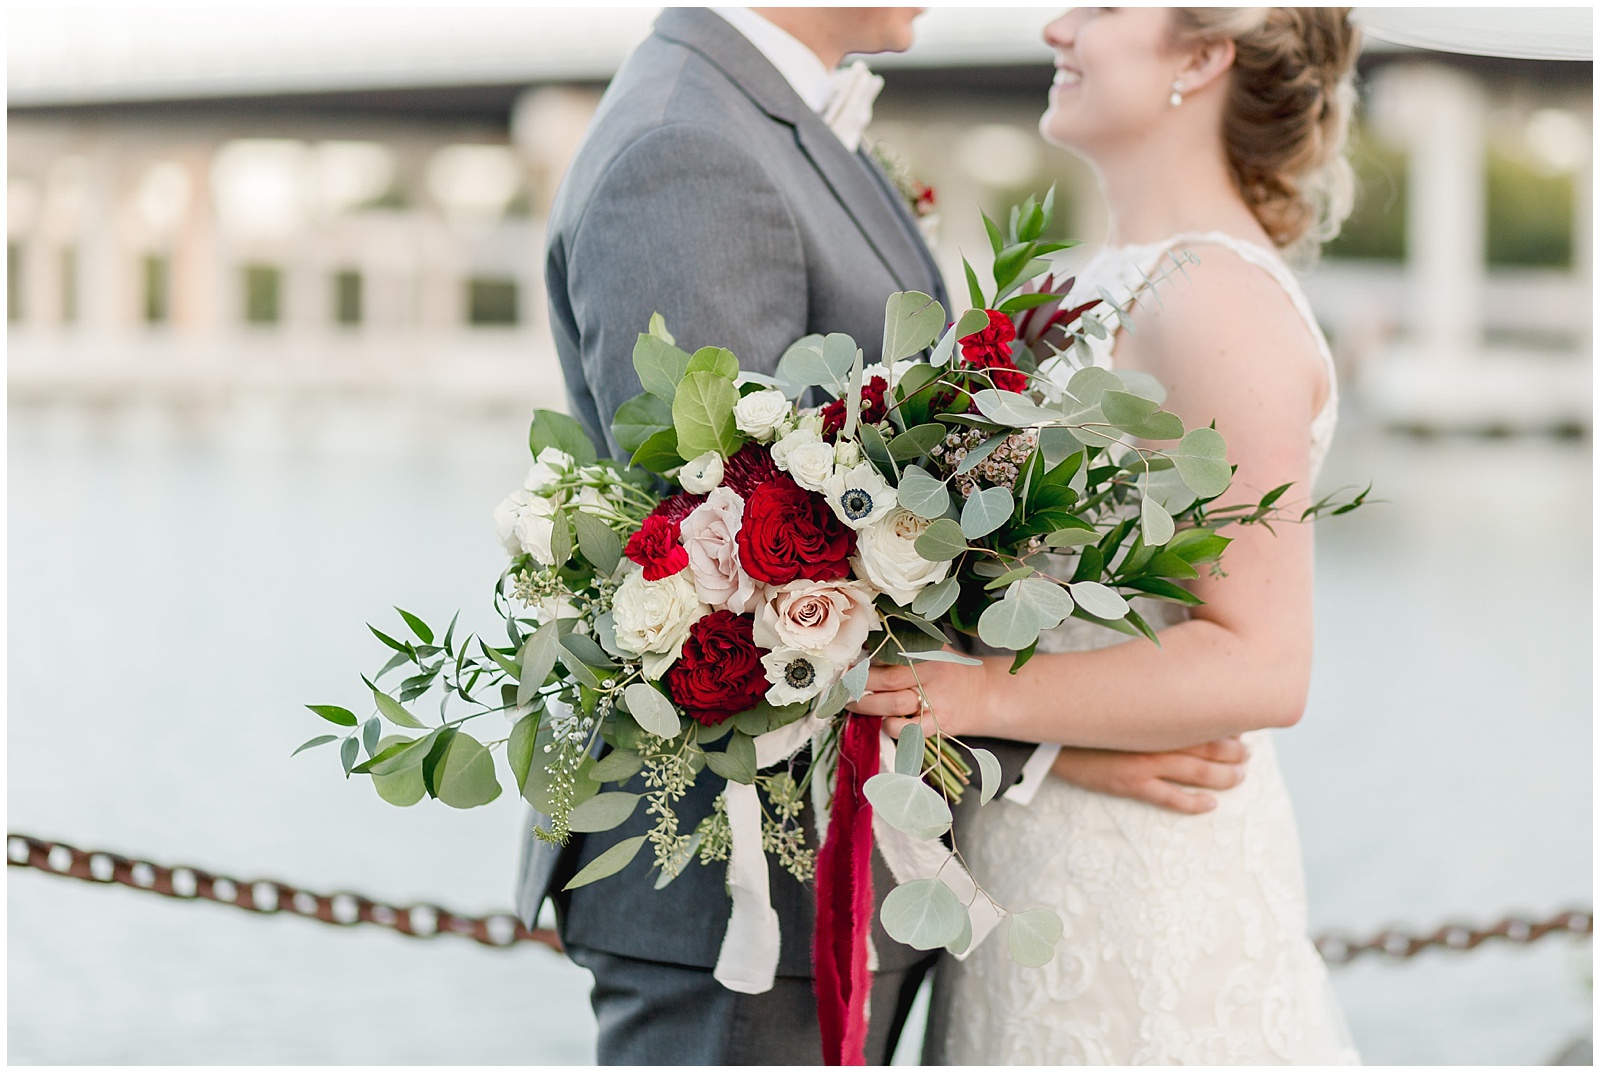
(845, 174)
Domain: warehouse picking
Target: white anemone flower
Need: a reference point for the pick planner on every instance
(796, 675)
(859, 495)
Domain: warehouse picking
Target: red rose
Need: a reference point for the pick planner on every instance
(991, 349)
(676, 507)
(789, 533)
(655, 547)
(748, 468)
(873, 408)
(720, 672)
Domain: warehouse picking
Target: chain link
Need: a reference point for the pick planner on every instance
(425, 921)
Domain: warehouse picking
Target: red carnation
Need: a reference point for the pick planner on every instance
(873, 408)
(991, 349)
(720, 672)
(748, 468)
(789, 533)
(655, 547)
(676, 507)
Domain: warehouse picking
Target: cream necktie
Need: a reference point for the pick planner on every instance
(849, 110)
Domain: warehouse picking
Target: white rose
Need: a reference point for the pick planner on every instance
(858, 495)
(653, 618)
(786, 445)
(846, 453)
(709, 535)
(886, 555)
(796, 675)
(811, 464)
(702, 473)
(826, 618)
(811, 422)
(760, 413)
(549, 467)
(522, 523)
(590, 496)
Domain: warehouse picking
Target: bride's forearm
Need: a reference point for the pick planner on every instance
(1204, 682)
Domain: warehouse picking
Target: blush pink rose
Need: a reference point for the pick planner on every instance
(829, 618)
(710, 536)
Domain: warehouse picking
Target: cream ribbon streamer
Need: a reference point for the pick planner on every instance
(748, 959)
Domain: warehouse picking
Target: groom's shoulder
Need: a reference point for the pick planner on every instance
(667, 86)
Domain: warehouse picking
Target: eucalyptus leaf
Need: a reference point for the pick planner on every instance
(1009, 623)
(908, 804)
(640, 418)
(939, 655)
(803, 364)
(911, 322)
(1072, 537)
(1013, 409)
(1057, 445)
(552, 429)
(608, 863)
(598, 541)
(941, 541)
(922, 493)
(1098, 600)
(652, 711)
(402, 788)
(537, 660)
(1050, 603)
(702, 415)
(1202, 461)
(1155, 524)
(714, 360)
(985, 510)
(970, 460)
(519, 749)
(908, 751)
(971, 322)
(917, 441)
(371, 730)
(936, 599)
(923, 914)
(989, 774)
(855, 679)
(1088, 384)
(737, 762)
(588, 650)
(959, 944)
(602, 812)
(660, 366)
(1031, 936)
(940, 354)
(659, 453)
(618, 766)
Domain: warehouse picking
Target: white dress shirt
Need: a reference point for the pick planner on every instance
(795, 61)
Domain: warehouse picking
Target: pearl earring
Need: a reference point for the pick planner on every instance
(1177, 94)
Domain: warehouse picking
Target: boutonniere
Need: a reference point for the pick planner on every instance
(918, 196)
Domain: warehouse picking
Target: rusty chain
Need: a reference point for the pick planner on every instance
(425, 921)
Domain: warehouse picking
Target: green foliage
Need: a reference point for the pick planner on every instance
(702, 414)
(552, 429)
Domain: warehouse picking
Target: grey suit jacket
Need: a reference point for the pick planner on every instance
(707, 191)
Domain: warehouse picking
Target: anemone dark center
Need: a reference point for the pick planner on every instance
(857, 503)
(800, 674)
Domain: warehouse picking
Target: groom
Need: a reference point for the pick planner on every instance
(722, 185)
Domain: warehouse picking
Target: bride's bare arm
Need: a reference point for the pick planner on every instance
(1230, 348)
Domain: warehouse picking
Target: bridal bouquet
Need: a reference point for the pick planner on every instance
(709, 607)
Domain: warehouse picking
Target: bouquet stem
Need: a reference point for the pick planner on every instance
(945, 769)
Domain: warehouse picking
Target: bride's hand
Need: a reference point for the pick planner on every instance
(1174, 781)
(961, 699)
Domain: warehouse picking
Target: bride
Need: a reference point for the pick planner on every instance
(1214, 132)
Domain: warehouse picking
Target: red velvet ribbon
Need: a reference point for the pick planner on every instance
(844, 900)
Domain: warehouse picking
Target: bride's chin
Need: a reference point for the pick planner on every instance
(1050, 128)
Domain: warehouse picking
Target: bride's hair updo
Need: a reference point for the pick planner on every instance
(1287, 113)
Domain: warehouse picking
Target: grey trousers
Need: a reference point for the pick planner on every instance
(651, 1013)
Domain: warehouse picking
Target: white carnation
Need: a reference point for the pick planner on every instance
(796, 675)
(760, 413)
(811, 464)
(702, 473)
(858, 495)
(653, 618)
(886, 555)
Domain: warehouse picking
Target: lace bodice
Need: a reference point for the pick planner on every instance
(1185, 936)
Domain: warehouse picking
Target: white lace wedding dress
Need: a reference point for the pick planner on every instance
(1185, 937)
